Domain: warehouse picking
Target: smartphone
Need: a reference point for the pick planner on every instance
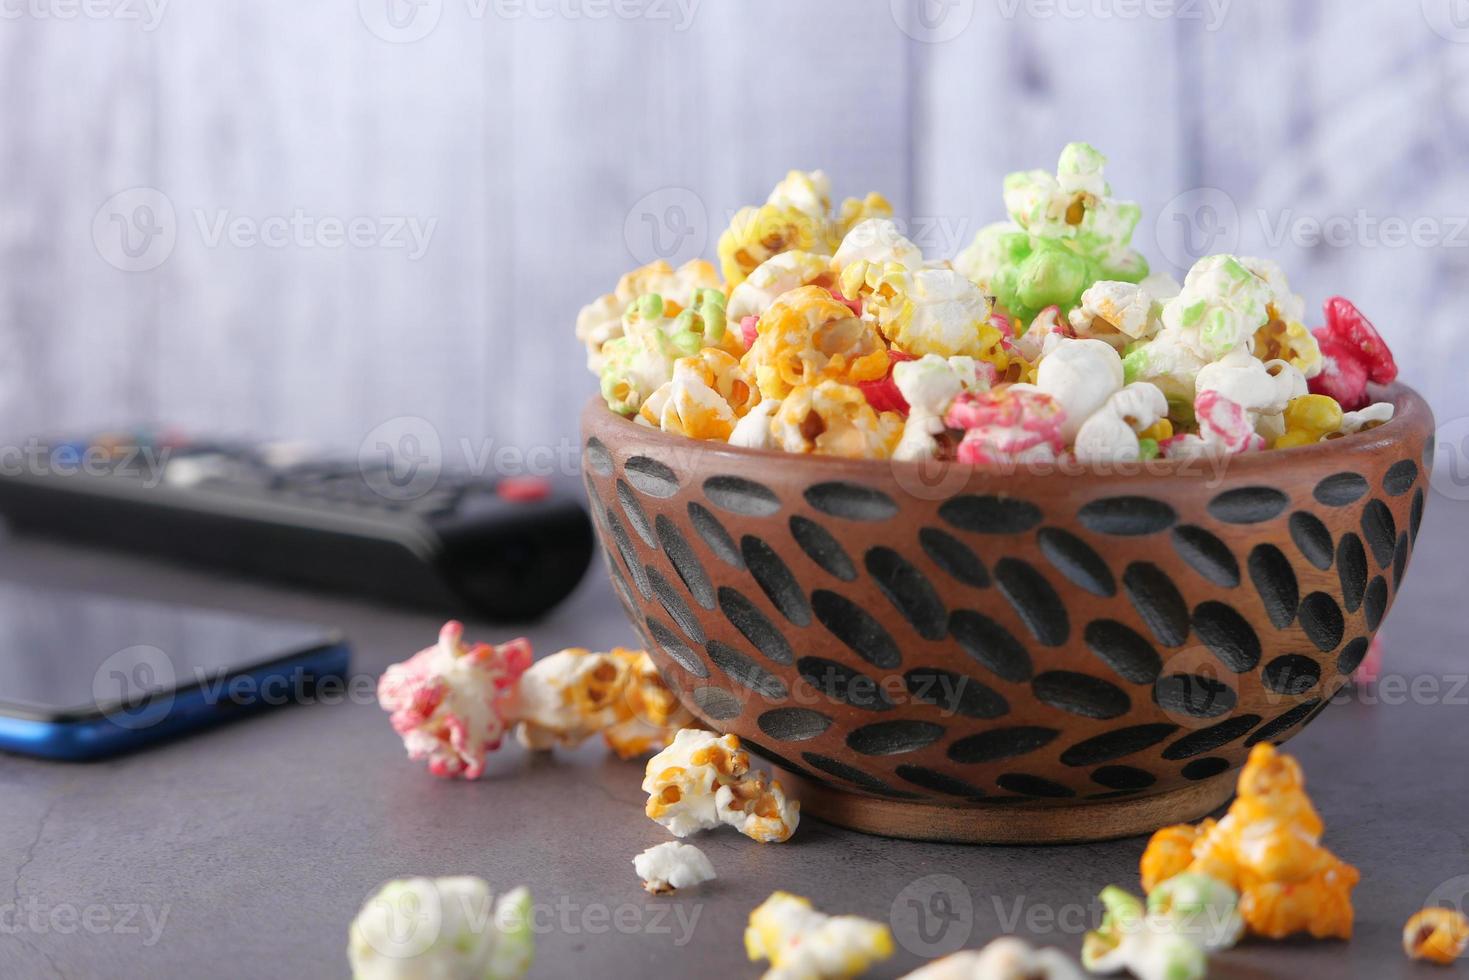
(85, 675)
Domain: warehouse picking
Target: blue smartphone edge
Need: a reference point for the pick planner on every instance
(188, 710)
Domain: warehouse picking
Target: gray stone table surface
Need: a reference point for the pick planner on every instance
(245, 851)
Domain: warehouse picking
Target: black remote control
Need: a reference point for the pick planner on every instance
(505, 548)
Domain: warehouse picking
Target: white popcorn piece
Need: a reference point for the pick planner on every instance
(982, 259)
(670, 866)
(568, 697)
(442, 929)
(1288, 306)
(1044, 335)
(1376, 414)
(929, 385)
(1007, 958)
(1080, 375)
(1161, 286)
(753, 431)
(1117, 313)
(772, 278)
(600, 321)
(942, 313)
(807, 191)
(702, 780)
(804, 944)
(877, 241)
(1260, 388)
(1166, 362)
(1220, 308)
(1111, 434)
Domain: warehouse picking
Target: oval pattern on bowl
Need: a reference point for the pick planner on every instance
(894, 737)
(1034, 600)
(1275, 581)
(991, 645)
(957, 694)
(908, 591)
(1228, 635)
(954, 557)
(775, 580)
(1248, 505)
(684, 561)
(1158, 601)
(851, 501)
(990, 514)
(1211, 738)
(1001, 743)
(1207, 555)
(650, 476)
(1351, 570)
(1076, 560)
(1312, 538)
(793, 724)
(753, 624)
(714, 535)
(1341, 489)
(1081, 694)
(858, 629)
(842, 683)
(741, 496)
(822, 548)
(1123, 649)
(1127, 516)
(1116, 744)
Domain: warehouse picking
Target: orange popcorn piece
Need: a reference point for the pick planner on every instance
(808, 336)
(1438, 935)
(1266, 848)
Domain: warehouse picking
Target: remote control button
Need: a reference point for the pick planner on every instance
(523, 489)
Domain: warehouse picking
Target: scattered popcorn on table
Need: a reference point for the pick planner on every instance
(670, 866)
(1059, 314)
(442, 929)
(1266, 848)
(1438, 935)
(1148, 948)
(703, 781)
(804, 944)
(1007, 958)
(453, 703)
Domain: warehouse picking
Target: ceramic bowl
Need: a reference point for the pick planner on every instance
(962, 653)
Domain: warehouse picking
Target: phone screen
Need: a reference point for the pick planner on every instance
(71, 654)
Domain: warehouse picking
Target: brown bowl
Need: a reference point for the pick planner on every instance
(963, 653)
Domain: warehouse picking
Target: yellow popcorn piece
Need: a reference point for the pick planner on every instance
(702, 781)
(1309, 419)
(601, 320)
(1288, 341)
(803, 944)
(652, 714)
(930, 311)
(755, 235)
(834, 419)
(1437, 935)
(806, 337)
(708, 394)
(855, 211)
(572, 695)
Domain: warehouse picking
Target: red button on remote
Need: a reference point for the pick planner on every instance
(522, 489)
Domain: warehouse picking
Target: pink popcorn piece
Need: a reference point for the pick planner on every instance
(1006, 425)
(453, 703)
(1224, 430)
(749, 330)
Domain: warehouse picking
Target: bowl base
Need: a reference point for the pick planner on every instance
(1010, 823)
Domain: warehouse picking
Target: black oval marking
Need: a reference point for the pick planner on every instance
(851, 501)
(908, 591)
(1034, 600)
(1127, 516)
(1076, 560)
(938, 782)
(894, 737)
(990, 515)
(1001, 743)
(1248, 505)
(1275, 580)
(1207, 555)
(1123, 778)
(955, 693)
(1400, 561)
(636, 516)
(793, 724)
(1341, 489)
(841, 683)
(991, 644)
(1285, 722)
(855, 627)
(822, 548)
(1400, 478)
(744, 671)
(685, 562)
(1158, 601)
(751, 622)
(1194, 695)
(1291, 674)
(650, 476)
(775, 580)
(714, 535)
(1374, 604)
(1211, 738)
(740, 496)
(843, 771)
(674, 605)
(1322, 620)
(954, 557)
(1228, 635)
(1116, 744)
(669, 642)
(1379, 530)
(1028, 785)
(1081, 694)
(597, 457)
(1351, 568)
(1415, 515)
(1124, 650)
(717, 703)
(1205, 768)
(629, 554)
(1313, 538)
(1352, 655)
(619, 583)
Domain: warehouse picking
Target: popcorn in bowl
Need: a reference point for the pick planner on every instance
(795, 348)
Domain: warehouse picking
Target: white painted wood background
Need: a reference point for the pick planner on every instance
(542, 146)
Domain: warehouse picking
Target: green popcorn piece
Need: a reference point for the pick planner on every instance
(637, 363)
(1148, 448)
(1203, 908)
(993, 247)
(1130, 940)
(515, 946)
(1221, 306)
(1136, 365)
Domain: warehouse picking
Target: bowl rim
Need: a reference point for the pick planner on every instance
(1412, 414)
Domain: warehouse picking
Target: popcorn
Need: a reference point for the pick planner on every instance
(833, 419)
(601, 320)
(1010, 424)
(1308, 419)
(876, 242)
(669, 866)
(1007, 958)
(1113, 432)
(883, 394)
(1222, 306)
(1353, 353)
(773, 279)
(928, 386)
(981, 262)
(756, 235)
(705, 398)
(855, 211)
(453, 703)
(1267, 848)
(935, 311)
(1044, 335)
(1200, 907)
(804, 944)
(1368, 418)
(442, 928)
(1080, 375)
(1167, 362)
(572, 695)
(1258, 387)
(656, 333)
(703, 780)
(1147, 948)
(1225, 429)
(808, 336)
(806, 191)
(1284, 304)
(1116, 312)
(754, 430)
(1438, 935)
